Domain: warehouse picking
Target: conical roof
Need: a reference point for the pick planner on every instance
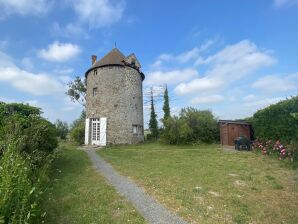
(114, 57)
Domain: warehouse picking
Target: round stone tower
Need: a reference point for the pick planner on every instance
(114, 100)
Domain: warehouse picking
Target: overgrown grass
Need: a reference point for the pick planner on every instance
(78, 194)
(207, 185)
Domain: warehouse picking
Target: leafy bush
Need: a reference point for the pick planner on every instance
(62, 129)
(23, 125)
(191, 127)
(77, 131)
(26, 143)
(278, 150)
(278, 121)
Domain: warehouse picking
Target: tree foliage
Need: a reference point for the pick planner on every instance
(23, 125)
(77, 90)
(166, 105)
(26, 143)
(62, 129)
(192, 126)
(153, 125)
(77, 131)
(278, 121)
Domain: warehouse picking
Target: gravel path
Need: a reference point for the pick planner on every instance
(152, 211)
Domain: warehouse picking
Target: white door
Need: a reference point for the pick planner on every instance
(95, 129)
(103, 131)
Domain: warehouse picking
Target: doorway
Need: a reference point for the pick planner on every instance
(95, 131)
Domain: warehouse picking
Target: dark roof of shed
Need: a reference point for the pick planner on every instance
(114, 57)
(234, 122)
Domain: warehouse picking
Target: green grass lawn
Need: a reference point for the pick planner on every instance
(78, 194)
(204, 184)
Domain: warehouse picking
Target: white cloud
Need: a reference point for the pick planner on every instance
(157, 91)
(227, 66)
(275, 83)
(64, 71)
(188, 55)
(199, 85)
(280, 3)
(59, 52)
(70, 31)
(35, 84)
(245, 51)
(170, 77)
(262, 103)
(215, 98)
(184, 57)
(99, 13)
(70, 105)
(250, 97)
(5, 60)
(23, 7)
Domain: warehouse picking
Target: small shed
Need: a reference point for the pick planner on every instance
(230, 130)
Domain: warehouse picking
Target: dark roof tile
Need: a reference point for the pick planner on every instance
(114, 57)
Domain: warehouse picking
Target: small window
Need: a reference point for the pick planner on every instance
(95, 72)
(135, 129)
(94, 91)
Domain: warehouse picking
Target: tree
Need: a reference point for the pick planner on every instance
(62, 129)
(23, 125)
(153, 126)
(166, 106)
(191, 127)
(77, 132)
(77, 90)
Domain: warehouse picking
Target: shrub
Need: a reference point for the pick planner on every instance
(26, 143)
(62, 129)
(191, 127)
(77, 133)
(30, 132)
(278, 121)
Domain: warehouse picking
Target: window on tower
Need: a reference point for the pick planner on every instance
(94, 91)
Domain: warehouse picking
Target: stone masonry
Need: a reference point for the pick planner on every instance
(115, 91)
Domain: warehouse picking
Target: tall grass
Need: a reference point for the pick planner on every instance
(21, 185)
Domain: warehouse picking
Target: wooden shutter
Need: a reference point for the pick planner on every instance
(87, 127)
(103, 131)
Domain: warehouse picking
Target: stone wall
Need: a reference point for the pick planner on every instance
(119, 98)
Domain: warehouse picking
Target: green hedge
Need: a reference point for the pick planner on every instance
(77, 131)
(26, 144)
(278, 121)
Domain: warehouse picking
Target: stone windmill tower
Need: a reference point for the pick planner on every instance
(114, 100)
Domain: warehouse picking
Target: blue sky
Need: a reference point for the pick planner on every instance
(233, 57)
